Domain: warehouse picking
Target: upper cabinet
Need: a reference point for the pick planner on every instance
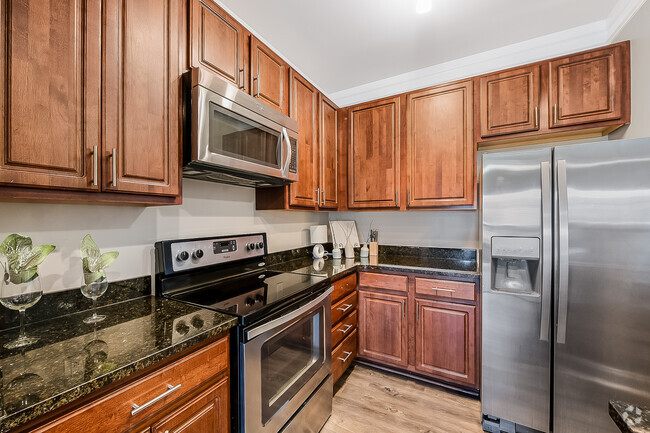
(589, 87)
(270, 76)
(581, 95)
(374, 154)
(141, 96)
(219, 43)
(510, 101)
(50, 70)
(304, 109)
(329, 153)
(440, 146)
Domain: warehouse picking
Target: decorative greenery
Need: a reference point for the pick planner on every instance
(93, 261)
(22, 258)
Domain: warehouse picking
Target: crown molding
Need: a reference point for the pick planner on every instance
(620, 15)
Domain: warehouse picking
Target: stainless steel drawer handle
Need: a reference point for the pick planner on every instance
(443, 290)
(347, 307)
(347, 328)
(346, 358)
(170, 389)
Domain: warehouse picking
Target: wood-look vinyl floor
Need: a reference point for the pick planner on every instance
(369, 401)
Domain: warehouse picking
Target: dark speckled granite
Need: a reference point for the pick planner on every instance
(630, 418)
(74, 359)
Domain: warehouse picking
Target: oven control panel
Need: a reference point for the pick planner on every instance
(188, 254)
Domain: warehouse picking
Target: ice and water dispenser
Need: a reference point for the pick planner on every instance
(515, 265)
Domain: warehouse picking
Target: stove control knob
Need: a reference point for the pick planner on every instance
(250, 247)
(250, 301)
(182, 328)
(259, 298)
(197, 322)
(260, 245)
(182, 256)
(197, 254)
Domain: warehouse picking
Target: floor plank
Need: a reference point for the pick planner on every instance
(370, 401)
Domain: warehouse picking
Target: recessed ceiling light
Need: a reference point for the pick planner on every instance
(423, 6)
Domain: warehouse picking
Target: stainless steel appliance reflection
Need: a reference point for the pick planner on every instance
(566, 285)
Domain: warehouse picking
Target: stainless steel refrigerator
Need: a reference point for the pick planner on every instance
(566, 285)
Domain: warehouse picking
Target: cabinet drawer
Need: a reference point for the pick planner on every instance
(113, 412)
(343, 355)
(445, 289)
(343, 287)
(344, 307)
(344, 328)
(384, 281)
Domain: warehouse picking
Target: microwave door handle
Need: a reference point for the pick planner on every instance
(287, 317)
(285, 168)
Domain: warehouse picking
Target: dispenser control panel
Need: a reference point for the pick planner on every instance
(510, 247)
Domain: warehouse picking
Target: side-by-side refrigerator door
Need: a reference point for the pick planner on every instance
(516, 290)
(602, 341)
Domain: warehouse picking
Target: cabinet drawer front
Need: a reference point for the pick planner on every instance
(445, 289)
(344, 328)
(344, 307)
(343, 355)
(384, 281)
(113, 412)
(343, 287)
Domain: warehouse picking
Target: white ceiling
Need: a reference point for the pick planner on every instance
(343, 44)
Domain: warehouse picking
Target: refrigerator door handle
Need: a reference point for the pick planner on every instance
(562, 252)
(547, 254)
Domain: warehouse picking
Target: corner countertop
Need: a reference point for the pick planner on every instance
(630, 418)
(73, 359)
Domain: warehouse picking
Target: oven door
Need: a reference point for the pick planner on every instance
(226, 134)
(284, 362)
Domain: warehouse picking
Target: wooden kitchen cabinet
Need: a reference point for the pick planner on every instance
(509, 101)
(440, 146)
(50, 70)
(374, 154)
(141, 99)
(329, 153)
(269, 76)
(445, 340)
(208, 412)
(304, 109)
(344, 324)
(219, 43)
(383, 328)
(200, 404)
(589, 87)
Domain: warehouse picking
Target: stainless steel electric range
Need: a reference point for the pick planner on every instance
(281, 349)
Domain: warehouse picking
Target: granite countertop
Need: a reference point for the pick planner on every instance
(630, 418)
(73, 359)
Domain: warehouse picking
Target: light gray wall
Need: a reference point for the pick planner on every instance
(207, 209)
(637, 31)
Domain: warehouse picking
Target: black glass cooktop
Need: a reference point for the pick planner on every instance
(251, 296)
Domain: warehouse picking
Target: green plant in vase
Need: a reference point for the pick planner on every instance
(94, 282)
(20, 287)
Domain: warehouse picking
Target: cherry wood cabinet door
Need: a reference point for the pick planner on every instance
(589, 87)
(374, 154)
(218, 42)
(383, 328)
(440, 146)
(304, 109)
(445, 341)
(208, 412)
(329, 151)
(509, 101)
(270, 77)
(141, 96)
(50, 75)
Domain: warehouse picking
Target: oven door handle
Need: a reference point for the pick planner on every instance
(288, 317)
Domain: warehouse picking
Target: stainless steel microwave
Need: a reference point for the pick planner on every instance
(233, 137)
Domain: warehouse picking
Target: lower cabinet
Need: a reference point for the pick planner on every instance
(425, 326)
(191, 395)
(384, 332)
(445, 340)
(344, 325)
